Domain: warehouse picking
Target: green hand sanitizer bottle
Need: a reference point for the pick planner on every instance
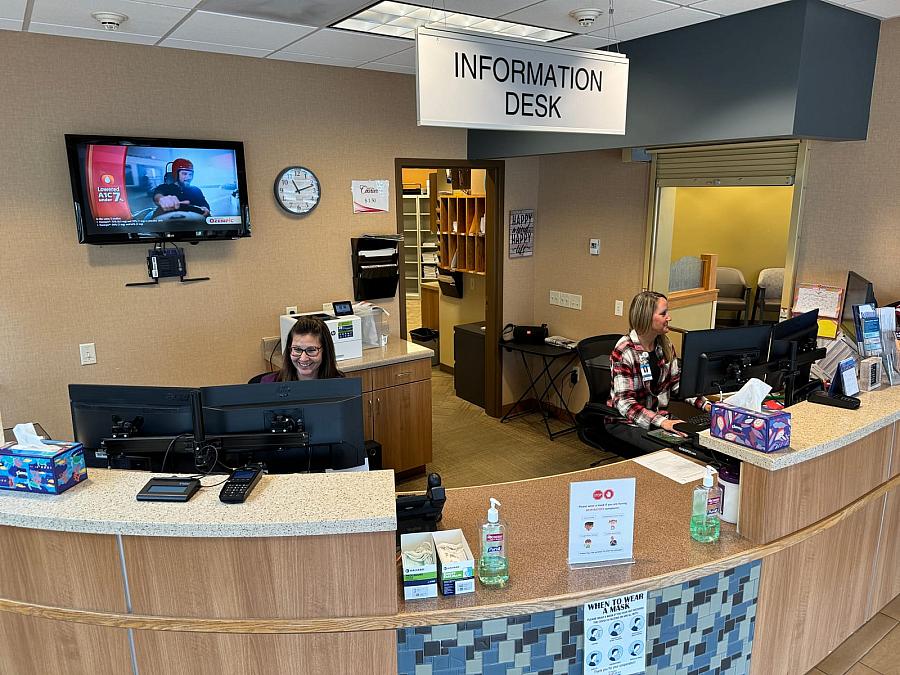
(493, 566)
(706, 508)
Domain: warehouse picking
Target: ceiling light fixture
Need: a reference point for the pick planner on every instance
(110, 20)
(585, 17)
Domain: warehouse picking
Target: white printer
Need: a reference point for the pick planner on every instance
(346, 332)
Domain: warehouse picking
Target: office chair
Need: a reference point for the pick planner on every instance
(768, 292)
(590, 423)
(734, 293)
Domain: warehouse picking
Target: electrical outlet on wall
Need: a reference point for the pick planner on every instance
(290, 310)
(554, 298)
(575, 301)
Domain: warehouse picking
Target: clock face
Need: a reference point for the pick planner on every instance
(297, 190)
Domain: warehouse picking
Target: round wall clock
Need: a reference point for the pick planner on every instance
(297, 190)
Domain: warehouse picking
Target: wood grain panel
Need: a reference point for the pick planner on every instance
(365, 375)
(34, 646)
(270, 577)
(401, 373)
(63, 569)
(431, 306)
(776, 503)
(886, 581)
(369, 416)
(895, 457)
(374, 653)
(403, 425)
(812, 596)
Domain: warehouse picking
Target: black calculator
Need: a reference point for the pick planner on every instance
(237, 488)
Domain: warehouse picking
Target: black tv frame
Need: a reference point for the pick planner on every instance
(80, 197)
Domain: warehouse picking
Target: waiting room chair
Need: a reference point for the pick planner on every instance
(590, 423)
(734, 293)
(768, 293)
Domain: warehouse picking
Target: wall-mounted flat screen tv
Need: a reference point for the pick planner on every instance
(148, 190)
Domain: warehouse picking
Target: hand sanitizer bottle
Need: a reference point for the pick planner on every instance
(493, 566)
(705, 510)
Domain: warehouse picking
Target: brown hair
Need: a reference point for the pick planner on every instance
(309, 325)
(640, 318)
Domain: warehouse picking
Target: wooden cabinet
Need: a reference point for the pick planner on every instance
(397, 413)
(462, 227)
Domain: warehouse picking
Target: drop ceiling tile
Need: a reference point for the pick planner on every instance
(406, 58)
(387, 67)
(310, 58)
(239, 31)
(732, 6)
(342, 44)
(555, 13)
(210, 47)
(10, 24)
(493, 9)
(883, 9)
(143, 18)
(660, 23)
(317, 13)
(183, 4)
(584, 42)
(12, 9)
(91, 33)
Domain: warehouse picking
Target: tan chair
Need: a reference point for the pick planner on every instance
(734, 293)
(768, 292)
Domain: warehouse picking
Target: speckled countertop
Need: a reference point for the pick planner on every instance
(396, 351)
(817, 430)
(279, 506)
(537, 511)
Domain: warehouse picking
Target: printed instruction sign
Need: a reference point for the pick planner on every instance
(521, 233)
(370, 196)
(601, 522)
(615, 635)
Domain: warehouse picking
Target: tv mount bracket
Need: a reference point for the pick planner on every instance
(163, 262)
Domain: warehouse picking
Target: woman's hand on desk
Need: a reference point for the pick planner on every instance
(669, 425)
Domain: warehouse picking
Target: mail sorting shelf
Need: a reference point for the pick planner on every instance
(549, 355)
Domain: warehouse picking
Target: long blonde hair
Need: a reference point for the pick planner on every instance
(640, 317)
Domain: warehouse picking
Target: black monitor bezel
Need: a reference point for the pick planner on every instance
(731, 343)
(79, 195)
(848, 325)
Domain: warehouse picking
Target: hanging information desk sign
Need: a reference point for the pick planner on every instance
(615, 635)
(601, 522)
(481, 82)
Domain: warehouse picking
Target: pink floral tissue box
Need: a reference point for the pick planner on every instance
(766, 431)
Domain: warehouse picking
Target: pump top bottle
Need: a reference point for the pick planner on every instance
(493, 566)
(705, 509)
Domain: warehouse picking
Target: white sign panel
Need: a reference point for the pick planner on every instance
(521, 233)
(615, 635)
(601, 522)
(480, 82)
(370, 196)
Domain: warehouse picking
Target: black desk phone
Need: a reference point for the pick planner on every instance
(237, 488)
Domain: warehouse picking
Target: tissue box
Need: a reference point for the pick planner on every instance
(766, 431)
(455, 577)
(419, 581)
(48, 471)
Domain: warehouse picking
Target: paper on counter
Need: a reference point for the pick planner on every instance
(751, 395)
(679, 469)
(29, 439)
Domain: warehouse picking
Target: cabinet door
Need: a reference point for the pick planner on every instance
(403, 425)
(368, 416)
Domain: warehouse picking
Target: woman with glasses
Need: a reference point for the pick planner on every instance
(308, 354)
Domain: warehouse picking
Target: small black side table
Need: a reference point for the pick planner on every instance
(550, 355)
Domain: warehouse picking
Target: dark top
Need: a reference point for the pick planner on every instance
(188, 193)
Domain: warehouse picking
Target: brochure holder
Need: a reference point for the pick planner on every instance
(451, 282)
(376, 271)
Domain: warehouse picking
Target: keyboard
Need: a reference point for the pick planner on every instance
(695, 424)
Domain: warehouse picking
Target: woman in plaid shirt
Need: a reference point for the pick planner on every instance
(645, 374)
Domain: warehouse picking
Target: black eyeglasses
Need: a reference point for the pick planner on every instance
(309, 351)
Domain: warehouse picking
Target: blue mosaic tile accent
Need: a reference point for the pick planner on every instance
(702, 626)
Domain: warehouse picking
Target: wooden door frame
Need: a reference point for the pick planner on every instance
(493, 296)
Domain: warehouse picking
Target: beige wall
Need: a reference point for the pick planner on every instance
(851, 212)
(342, 123)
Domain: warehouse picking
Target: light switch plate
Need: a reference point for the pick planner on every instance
(88, 352)
(595, 247)
(620, 308)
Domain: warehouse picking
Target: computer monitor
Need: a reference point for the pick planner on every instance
(263, 423)
(859, 291)
(793, 351)
(126, 427)
(722, 359)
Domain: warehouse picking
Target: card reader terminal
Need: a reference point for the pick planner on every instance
(237, 488)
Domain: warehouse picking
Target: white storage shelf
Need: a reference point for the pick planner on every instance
(418, 236)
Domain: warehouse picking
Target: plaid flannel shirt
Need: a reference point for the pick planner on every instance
(643, 403)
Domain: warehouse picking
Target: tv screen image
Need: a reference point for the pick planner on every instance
(154, 190)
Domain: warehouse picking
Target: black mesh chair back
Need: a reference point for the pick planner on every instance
(594, 355)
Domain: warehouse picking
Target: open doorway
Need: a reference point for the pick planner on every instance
(449, 213)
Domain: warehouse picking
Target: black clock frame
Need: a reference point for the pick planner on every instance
(278, 198)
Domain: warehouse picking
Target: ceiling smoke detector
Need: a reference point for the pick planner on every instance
(110, 20)
(585, 17)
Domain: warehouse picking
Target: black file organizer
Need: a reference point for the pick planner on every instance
(451, 282)
(375, 277)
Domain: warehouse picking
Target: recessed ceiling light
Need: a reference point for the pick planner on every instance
(401, 20)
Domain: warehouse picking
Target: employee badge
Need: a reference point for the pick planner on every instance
(646, 375)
